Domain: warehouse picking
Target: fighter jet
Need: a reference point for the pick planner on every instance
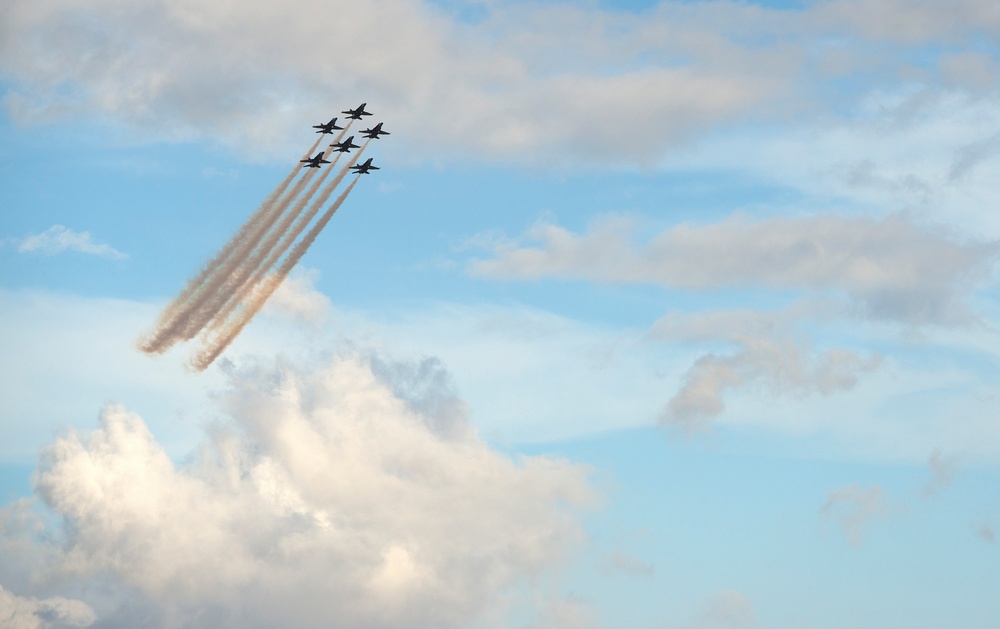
(362, 169)
(315, 161)
(327, 127)
(375, 131)
(357, 113)
(345, 146)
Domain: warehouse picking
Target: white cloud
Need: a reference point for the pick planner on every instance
(67, 355)
(906, 147)
(854, 507)
(326, 496)
(17, 612)
(908, 22)
(547, 377)
(58, 238)
(297, 298)
(777, 366)
(525, 82)
(248, 73)
(892, 268)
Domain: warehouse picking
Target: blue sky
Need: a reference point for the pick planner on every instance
(678, 315)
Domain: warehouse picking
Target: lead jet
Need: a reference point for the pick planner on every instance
(314, 162)
(356, 113)
(374, 132)
(362, 169)
(327, 127)
(345, 146)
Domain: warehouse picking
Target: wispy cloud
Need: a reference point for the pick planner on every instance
(853, 507)
(297, 298)
(942, 470)
(58, 239)
(728, 609)
(779, 366)
(619, 562)
(892, 268)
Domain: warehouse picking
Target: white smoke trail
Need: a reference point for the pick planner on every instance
(289, 237)
(247, 265)
(159, 340)
(182, 326)
(215, 347)
(232, 274)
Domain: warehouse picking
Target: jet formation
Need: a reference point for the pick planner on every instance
(233, 286)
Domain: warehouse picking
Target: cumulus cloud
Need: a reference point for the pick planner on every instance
(58, 238)
(778, 366)
(853, 507)
(892, 268)
(327, 497)
(17, 612)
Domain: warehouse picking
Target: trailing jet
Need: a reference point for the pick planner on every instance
(362, 169)
(315, 161)
(327, 127)
(374, 132)
(345, 146)
(357, 113)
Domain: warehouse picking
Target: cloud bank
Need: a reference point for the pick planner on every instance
(327, 499)
(492, 80)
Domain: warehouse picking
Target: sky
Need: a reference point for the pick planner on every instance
(680, 315)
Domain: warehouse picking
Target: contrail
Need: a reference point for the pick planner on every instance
(208, 354)
(302, 221)
(160, 340)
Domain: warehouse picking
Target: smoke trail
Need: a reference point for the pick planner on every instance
(200, 308)
(275, 253)
(258, 264)
(180, 327)
(211, 351)
(159, 340)
(248, 263)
